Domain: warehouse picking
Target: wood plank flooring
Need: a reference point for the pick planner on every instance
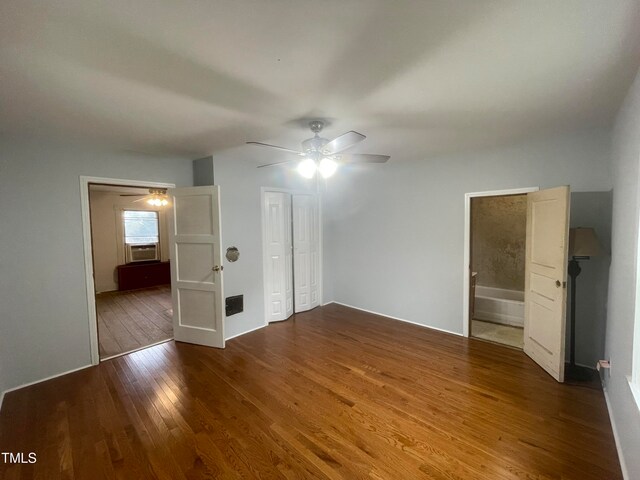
(329, 394)
(134, 319)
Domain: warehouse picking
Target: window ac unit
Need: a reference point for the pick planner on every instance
(142, 253)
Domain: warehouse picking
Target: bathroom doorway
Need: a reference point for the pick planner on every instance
(497, 249)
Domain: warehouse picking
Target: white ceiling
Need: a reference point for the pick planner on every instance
(418, 77)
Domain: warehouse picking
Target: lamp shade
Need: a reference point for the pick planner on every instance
(583, 242)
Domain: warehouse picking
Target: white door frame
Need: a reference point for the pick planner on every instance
(88, 249)
(467, 244)
(318, 198)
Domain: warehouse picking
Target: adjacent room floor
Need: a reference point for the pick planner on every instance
(134, 319)
(495, 332)
(331, 393)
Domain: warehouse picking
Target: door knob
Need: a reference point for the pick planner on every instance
(217, 268)
(558, 283)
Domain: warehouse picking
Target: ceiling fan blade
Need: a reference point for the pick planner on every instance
(342, 142)
(277, 163)
(362, 158)
(288, 150)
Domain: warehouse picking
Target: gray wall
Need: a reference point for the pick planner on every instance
(623, 281)
(203, 171)
(43, 318)
(240, 198)
(591, 209)
(396, 230)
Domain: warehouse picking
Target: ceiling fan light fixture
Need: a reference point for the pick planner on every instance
(307, 168)
(325, 155)
(327, 167)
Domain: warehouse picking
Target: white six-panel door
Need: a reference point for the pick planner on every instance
(196, 265)
(306, 246)
(546, 278)
(276, 216)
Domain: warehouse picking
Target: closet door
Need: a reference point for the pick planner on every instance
(306, 252)
(278, 256)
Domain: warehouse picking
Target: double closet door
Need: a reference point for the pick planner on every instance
(292, 254)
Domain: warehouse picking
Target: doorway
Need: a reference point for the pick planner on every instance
(469, 281)
(546, 257)
(291, 253)
(130, 258)
(127, 267)
(497, 259)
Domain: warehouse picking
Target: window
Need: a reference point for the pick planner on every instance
(140, 227)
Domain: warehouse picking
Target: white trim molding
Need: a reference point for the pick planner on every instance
(24, 385)
(635, 390)
(616, 437)
(88, 249)
(244, 333)
(467, 244)
(634, 378)
(396, 318)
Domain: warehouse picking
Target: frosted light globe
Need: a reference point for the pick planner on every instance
(307, 168)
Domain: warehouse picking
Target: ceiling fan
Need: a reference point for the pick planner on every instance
(323, 155)
(157, 197)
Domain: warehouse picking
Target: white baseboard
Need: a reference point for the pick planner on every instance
(40, 381)
(244, 333)
(616, 437)
(399, 319)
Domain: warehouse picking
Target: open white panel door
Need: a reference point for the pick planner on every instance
(278, 266)
(196, 268)
(546, 278)
(305, 252)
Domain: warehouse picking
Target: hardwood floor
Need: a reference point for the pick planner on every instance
(331, 393)
(134, 319)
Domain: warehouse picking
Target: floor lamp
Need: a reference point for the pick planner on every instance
(583, 244)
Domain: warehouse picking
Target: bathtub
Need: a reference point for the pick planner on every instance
(499, 305)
